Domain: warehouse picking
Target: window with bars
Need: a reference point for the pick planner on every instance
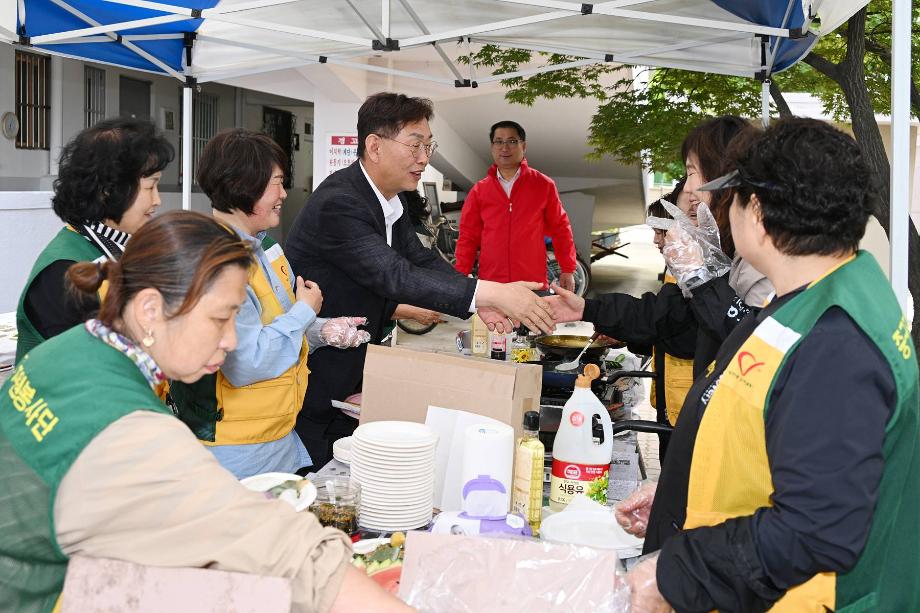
(205, 124)
(93, 96)
(33, 100)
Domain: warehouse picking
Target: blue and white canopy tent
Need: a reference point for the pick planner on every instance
(197, 41)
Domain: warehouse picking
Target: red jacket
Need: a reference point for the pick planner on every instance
(508, 232)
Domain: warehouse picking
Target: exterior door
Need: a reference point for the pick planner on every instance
(280, 126)
(134, 98)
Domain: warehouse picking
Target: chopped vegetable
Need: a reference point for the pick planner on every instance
(382, 558)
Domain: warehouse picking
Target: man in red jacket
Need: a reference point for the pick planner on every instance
(507, 214)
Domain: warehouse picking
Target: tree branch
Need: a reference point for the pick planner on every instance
(781, 105)
(823, 65)
(884, 54)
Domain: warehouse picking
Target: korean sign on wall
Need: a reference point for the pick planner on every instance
(341, 151)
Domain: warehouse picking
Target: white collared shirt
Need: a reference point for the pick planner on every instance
(392, 208)
(507, 184)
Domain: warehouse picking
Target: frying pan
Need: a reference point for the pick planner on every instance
(567, 346)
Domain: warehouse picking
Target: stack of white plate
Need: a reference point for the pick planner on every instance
(394, 463)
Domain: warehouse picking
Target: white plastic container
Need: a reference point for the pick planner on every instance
(577, 458)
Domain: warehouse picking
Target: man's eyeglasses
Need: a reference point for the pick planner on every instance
(511, 142)
(417, 148)
(276, 181)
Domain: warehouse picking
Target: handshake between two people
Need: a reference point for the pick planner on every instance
(505, 306)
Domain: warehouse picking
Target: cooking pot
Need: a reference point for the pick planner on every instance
(568, 346)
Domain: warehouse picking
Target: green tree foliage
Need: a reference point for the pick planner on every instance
(643, 118)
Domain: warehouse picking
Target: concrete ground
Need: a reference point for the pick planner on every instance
(635, 274)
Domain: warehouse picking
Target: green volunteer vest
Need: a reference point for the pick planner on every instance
(730, 471)
(66, 245)
(61, 395)
(220, 413)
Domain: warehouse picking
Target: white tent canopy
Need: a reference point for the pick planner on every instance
(210, 40)
(236, 37)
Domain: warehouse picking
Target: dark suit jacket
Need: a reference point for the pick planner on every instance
(339, 241)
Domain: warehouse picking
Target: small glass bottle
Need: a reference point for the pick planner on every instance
(520, 347)
(479, 338)
(527, 488)
(499, 346)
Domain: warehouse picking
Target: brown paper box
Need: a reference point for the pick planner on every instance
(400, 384)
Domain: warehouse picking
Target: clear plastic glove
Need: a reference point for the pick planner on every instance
(694, 252)
(632, 512)
(644, 596)
(343, 332)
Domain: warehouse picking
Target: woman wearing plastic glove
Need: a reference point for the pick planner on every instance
(245, 413)
(718, 304)
(802, 492)
(96, 465)
(722, 284)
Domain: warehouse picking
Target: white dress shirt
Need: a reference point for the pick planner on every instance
(392, 208)
(507, 184)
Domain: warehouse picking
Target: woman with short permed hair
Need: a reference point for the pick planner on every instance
(106, 189)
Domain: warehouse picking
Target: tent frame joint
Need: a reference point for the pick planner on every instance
(323, 59)
(797, 33)
(191, 82)
(196, 13)
(391, 45)
(462, 83)
(24, 40)
(586, 8)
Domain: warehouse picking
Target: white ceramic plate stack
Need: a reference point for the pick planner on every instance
(394, 463)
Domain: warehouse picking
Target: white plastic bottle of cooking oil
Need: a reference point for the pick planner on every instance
(577, 458)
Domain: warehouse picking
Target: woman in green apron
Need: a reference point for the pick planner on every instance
(791, 481)
(106, 189)
(96, 465)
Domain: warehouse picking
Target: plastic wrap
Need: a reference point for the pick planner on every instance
(694, 253)
(632, 388)
(343, 332)
(643, 586)
(633, 511)
(501, 575)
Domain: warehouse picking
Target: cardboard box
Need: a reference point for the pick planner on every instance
(400, 384)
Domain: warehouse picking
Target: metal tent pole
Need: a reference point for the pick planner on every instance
(765, 103)
(187, 147)
(900, 151)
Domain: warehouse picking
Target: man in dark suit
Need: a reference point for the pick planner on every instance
(354, 241)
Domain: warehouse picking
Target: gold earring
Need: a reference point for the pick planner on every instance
(147, 341)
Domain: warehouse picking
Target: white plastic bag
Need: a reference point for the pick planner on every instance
(505, 575)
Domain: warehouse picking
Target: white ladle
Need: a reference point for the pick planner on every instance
(577, 361)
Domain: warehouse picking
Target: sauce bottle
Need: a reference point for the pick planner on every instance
(527, 488)
(499, 346)
(578, 457)
(479, 338)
